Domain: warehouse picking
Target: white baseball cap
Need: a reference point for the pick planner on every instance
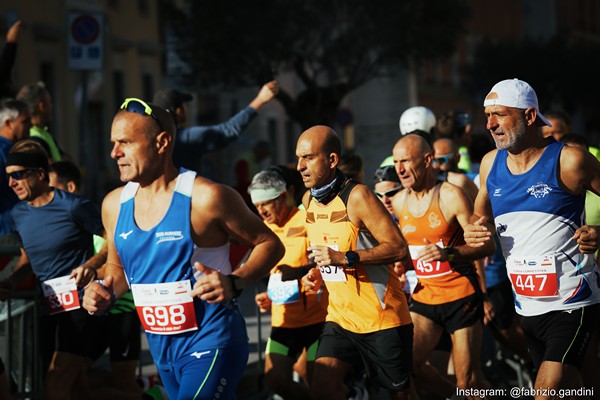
(514, 93)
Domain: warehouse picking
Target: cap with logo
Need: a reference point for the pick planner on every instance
(514, 93)
(171, 98)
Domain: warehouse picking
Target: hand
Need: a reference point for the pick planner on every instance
(98, 298)
(263, 302)
(83, 275)
(12, 36)
(587, 238)
(313, 280)
(212, 286)
(488, 312)
(265, 95)
(323, 256)
(400, 271)
(432, 252)
(477, 234)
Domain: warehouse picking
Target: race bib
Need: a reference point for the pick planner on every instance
(533, 276)
(60, 295)
(165, 308)
(282, 292)
(333, 273)
(428, 269)
(411, 282)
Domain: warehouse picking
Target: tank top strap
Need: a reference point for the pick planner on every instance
(185, 182)
(347, 187)
(129, 191)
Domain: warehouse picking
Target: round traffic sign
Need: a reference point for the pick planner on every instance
(85, 29)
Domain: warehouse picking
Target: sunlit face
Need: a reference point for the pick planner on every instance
(410, 165)
(29, 185)
(20, 126)
(557, 130)
(385, 191)
(444, 156)
(507, 126)
(273, 211)
(314, 164)
(134, 150)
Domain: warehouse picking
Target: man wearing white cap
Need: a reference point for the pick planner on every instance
(534, 189)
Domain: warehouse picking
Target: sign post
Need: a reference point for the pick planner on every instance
(86, 53)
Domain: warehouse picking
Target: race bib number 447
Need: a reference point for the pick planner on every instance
(533, 276)
(60, 295)
(165, 308)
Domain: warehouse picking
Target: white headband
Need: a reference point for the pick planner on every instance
(261, 195)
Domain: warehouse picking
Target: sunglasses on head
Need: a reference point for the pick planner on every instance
(389, 193)
(19, 175)
(140, 107)
(443, 160)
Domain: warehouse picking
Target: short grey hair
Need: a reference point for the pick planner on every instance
(267, 179)
(10, 109)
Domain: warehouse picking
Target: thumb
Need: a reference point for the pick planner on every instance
(480, 221)
(204, 269)
(109, 283)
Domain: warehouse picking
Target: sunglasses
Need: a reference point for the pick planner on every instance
(389, 193)
(443, 160)
(19, 175)
(140, 107)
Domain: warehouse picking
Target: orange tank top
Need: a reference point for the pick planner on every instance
(363, 299)
(291, 306)
(439, 282)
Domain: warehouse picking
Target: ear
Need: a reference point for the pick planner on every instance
(531, 116)
(163, 141)
(334, 160)
(427, 159)
(71, 187)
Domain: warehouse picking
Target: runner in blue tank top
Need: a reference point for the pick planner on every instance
(167, 233)
(533, 190)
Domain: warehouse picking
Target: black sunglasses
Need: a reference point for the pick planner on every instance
(389, 193)
(140, 107)
(19, 175)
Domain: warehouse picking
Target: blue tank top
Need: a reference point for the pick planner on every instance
(536, 218)
(164, 254)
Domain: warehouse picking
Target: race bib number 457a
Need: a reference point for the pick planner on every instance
(533, 276)
(165, 308)
(60, 295)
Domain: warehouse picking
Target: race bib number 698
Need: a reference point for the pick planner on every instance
(165, 308)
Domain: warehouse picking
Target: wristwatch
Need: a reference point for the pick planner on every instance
(237, 284)
(352, 258)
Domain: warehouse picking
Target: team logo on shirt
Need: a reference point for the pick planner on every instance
(125, 235)
(168, 236)
(497, 192)
(434, 220)
(539, 190)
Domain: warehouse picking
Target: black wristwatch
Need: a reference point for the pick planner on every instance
(237, 284)
(352, 258)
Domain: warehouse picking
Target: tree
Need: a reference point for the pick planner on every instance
(332, 46)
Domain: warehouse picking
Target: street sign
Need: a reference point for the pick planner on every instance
(86, 40)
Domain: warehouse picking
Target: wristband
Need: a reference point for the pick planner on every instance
(237, 284)
(450, 253)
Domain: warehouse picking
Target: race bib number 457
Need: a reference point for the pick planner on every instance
(60, 295)
(533, 276)
(165, 308)
(428, 269)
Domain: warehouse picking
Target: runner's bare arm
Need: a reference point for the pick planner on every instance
(481, 227)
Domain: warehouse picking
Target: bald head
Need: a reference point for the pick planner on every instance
(323, 138)
(416, 143)
(318, 152)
